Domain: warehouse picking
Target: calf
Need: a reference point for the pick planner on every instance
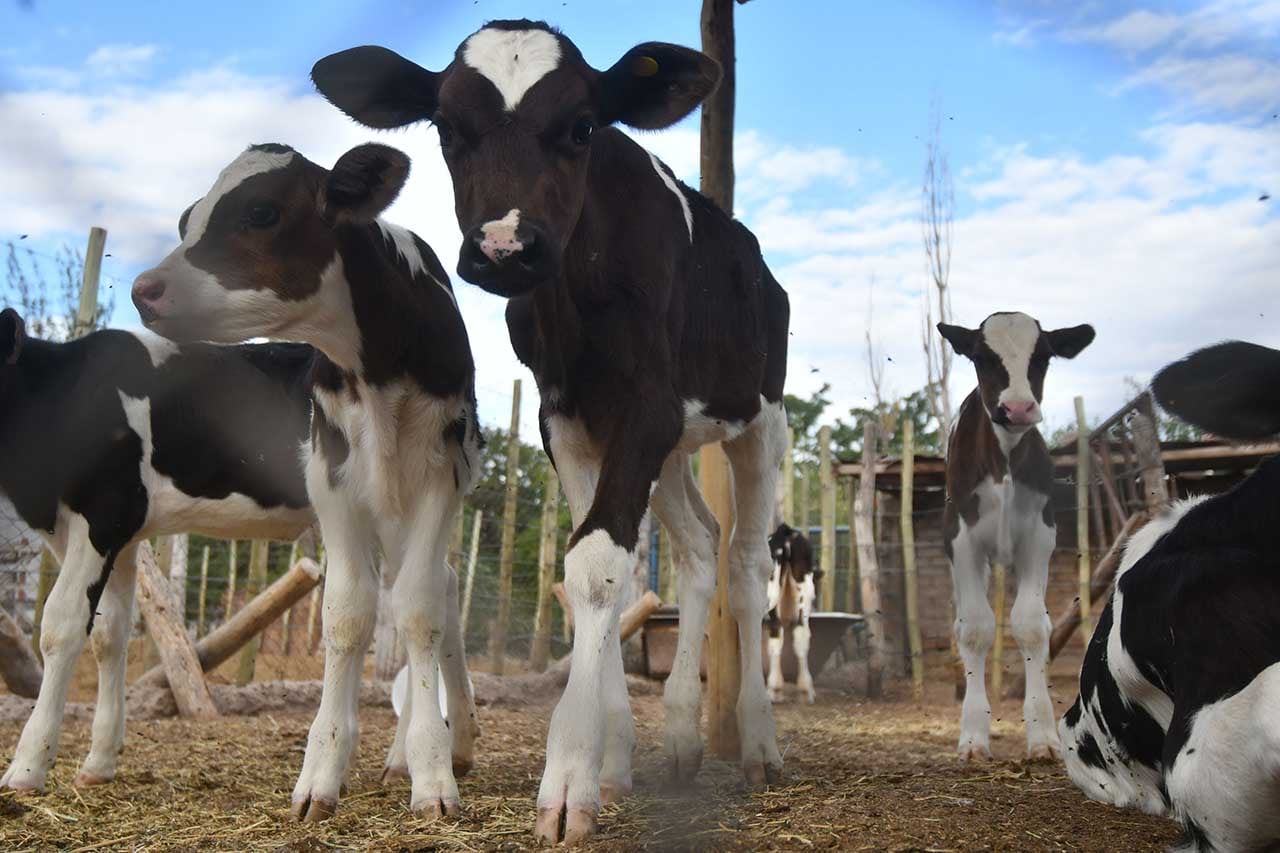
(284, 248)
(652, 326)
(791, 597)
(1179, 705)
(999, 478)
(116, 437)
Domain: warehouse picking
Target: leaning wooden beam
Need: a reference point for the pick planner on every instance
(257, 614)
(178, 659)
(19, 666)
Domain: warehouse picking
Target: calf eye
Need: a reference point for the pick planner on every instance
(262, 215)
(445, 132)
(582, 130)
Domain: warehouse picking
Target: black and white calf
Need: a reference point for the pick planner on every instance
(1179, 705)
(116, 437)
(652, 326)
(284, 248)
(999, 480)
(791, 597)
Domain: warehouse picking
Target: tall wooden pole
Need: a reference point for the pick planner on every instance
(804, 502)
(827, 556)
(789, 481)
(470, 583)
(231, 580)
(1084, 566)
(1146, 445)
(259, 554)
(541, 648)
(911, 582)
(723, 668)
(204, 590)
(999, 580)
(498, 632)
(868, 561)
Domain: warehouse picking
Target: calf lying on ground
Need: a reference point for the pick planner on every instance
(652, 326)
(791, 597)
(116, 437)
(1179, 705)
(284, 248)
(999, 477)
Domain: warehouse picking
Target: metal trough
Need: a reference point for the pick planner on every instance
(827, 629)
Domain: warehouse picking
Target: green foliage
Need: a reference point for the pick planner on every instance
(46, 291)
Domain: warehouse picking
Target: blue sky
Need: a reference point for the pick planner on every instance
(1108, 158)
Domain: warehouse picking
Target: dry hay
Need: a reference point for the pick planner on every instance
(859, 777)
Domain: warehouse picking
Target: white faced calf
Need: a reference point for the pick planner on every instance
(281, 247)
(791, 597)
(999, 479)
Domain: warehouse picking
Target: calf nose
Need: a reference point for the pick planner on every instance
(507, 255)
(1021, 412)
(148, 292)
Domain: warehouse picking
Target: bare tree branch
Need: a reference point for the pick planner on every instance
(937, 203)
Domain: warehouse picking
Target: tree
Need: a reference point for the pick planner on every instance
(936, 213)
(47, 291)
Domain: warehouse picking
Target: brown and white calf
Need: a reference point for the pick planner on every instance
(652, 326)
(281, 247)
(791, 596)
(999, 481)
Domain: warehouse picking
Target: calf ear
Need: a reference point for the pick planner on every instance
(654, 85)
(12, 333)
(363, 183)
(377, 87)
(1230, 389)
(1069, 343)
(962, 340)
(182, 220)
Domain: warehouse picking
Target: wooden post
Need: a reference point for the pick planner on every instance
(498, 631)
(163, 552)
(257, 613)
(911, 581)
(868, 562)
(851, 587)
(827, 555)
(723, 668)
(19, 667)
(1103, 455)
(294, 554)
(259, 554)
(88, 309)
(46, 576)
(1084, 568)
(231, 581)
(204, 590)
(469, 585)
(789, 481)
(177, 654)
(1146, 445)
(999, 579)
(541, 647)
(1095, 510)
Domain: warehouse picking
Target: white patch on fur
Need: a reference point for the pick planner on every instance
(1123, 782)
(500, 239)
(242, 168)
(158, 348)
(1151, 532)
(1013, 338)
(512, 60)
(408, 249)
(700, 428)
(671, 184)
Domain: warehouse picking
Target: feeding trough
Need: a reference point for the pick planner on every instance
(400, 692)
(827, 630)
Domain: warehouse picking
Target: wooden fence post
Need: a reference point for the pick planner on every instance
(851, 587)
(1084, 566)
(789, 480)
(469, 585)
(723, 667)
(1146, 445)
(911, 581)
(868, 562)
(541, 648)
(204, 591)
(506, 555)
(999, 580)
(827, 557)
(231, 581)
(177, 653)
(294, 553)
(259, 554)
(804, 502)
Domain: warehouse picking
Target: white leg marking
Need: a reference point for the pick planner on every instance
(975, 632)
(110, 640)
(776, 684)
(800, 642)
(1031, 626)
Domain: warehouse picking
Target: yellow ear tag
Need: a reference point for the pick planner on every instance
(644, 66)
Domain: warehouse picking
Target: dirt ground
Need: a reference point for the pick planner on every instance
(859, 776)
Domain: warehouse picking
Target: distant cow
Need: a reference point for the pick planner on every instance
(108, 440)
(285, 248)
(999, 479)
(652, 326)
(1179, 705)
(791, 597)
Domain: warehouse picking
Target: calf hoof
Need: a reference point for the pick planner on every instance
(85, 779)
(977, 753)
(613, 792)
(762, 775)
(461, 767)
(312, 810)
(392, 775)
(21, 786)
(776, 695)
(1045, 752)
(569, 826)
(435, 809)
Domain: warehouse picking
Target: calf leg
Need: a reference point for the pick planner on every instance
(975, 632)
(463, 724)
(63, 630)
(800, 642)
(755, 456)
(694, 536)
(776, 642)
(110, 640)
(1031, 627)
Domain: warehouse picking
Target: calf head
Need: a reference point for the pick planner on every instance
(12, 336)
(792, 551)
(1011, 355)
(1231, 389)
(516, 111)
(259, 252)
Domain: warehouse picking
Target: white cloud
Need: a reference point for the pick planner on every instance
(1232, 81)
(1137, 31)
(120, 59)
